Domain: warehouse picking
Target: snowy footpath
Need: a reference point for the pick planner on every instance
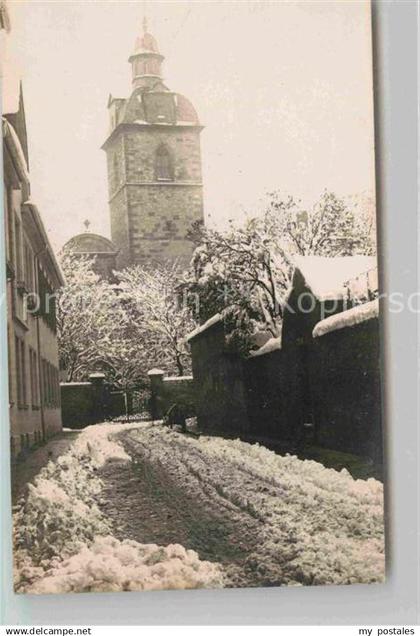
(141, 507)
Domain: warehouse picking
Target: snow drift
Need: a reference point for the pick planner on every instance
(63, 543)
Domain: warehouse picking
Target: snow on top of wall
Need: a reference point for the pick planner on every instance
(201, 328)
(178, 378)
(326, 276)
(274, 344)
(348, 318)
(75, 383)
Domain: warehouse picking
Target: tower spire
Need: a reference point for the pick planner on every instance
(144, 24)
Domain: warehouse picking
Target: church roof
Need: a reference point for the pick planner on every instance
(151, 102)
(155, 106)
(90, 243)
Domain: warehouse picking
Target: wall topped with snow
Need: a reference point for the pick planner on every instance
(348, 318)
(214, 320)
(324, 390)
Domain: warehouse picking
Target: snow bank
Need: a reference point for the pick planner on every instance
(62, 539)
(318, 525)
(323, 527)
(348, 318)
(110, 565)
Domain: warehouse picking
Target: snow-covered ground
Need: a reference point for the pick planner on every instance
(301, 523)
(316, 525)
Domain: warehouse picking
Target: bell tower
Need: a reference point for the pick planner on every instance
(154, 165)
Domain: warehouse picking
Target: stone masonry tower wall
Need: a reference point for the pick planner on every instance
(154, 166)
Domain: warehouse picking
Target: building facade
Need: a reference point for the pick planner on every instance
(154, 165)
(33, 276)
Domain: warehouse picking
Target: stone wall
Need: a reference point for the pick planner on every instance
(77, 404)
(219, 383)
(167, 391)
(345, 382)
(85, 403)
(273, 388)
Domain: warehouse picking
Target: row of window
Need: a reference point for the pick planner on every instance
(27, 277)
(25, 441)
(19, 252)
(50, 384)
(45, 388)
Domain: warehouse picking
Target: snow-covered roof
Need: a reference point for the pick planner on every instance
(274, 344)
(326, 276)
(16, 148)
(201, 328)
(348, 318)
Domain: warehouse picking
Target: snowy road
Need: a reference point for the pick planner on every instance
(268, 520)
(144, 507)
(165, 496)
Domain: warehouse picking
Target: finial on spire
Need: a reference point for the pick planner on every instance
(87, 225)
(145, 24)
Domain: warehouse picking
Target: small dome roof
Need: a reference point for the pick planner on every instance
(185, 111)
(90, 243)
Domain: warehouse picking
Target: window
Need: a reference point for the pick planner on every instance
(33, 366)
(18, 251)
(29, 268)
(9, 366)
(163, 164)
(47, 301)
(10, 251)
(43, 383)
(50, 385)
(23, 358)
(18, 371)
(50, 391)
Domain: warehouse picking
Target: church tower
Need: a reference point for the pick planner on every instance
(154, 165)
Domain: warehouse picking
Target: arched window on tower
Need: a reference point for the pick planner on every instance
(163, 164)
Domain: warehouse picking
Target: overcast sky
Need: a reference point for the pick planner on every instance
(284, 90)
